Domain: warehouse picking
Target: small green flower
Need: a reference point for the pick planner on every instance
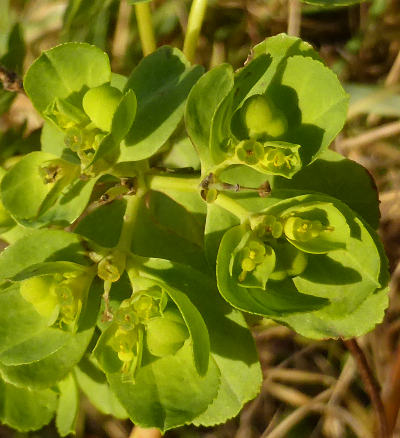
(279, 159)
(252, 255)
(124, 343)
(303, 230)
(266, 225)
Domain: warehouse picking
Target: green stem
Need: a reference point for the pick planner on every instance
(164, 183)
(145, 26)
(196, 17)
(232, 206)
(132, 208)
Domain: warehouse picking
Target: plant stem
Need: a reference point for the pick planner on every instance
(294, 19)
(163, 183)
(371, 385)
(196, 17)
(232, 206)
(139, 432)
(145, 26)
(132, 207)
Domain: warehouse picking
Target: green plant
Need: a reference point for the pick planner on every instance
(125, 304)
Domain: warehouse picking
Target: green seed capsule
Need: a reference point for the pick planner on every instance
(249, 151)
(166, 334)
(262, 118)
(100, 104)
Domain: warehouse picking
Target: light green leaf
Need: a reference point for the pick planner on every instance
(198, 331)
(161, 391)
(313, 121)
(46, 268)
(18, 319)
(50, 369)
(333, 175)
(52, 141)
(277, 299)
(39, 246)
(23, 189)
(161, 83)
(167, 230)
(108, 150)
(201, 105)
(68, 405)
(93, 383)
(66, 69)
(24, 409)
(69, 205)
(234, 354)
(362, 320)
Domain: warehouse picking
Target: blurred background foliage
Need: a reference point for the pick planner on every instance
(311, 389)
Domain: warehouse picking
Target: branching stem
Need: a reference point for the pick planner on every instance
(232, 206)
(163, 182)
(132, 208)
(370, 383)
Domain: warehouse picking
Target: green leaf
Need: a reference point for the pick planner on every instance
(199, 339)
(161, 391)
(281, 47)
(274, 73)
(232, 346)
(50, 369)
(93, 383)
(167, 230)
(68, 406)
(104, 224)
(123, 118)
(279, 298)
(201, 105)
(23, 189)
(334, 174)
(69, 205)
(47, 268)
(66, 69)
(39, 246)
(19, 323)
(52, 141)
(361, 321)
(24, 409)
(161, 83)
(195, 324)
(313, 122)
